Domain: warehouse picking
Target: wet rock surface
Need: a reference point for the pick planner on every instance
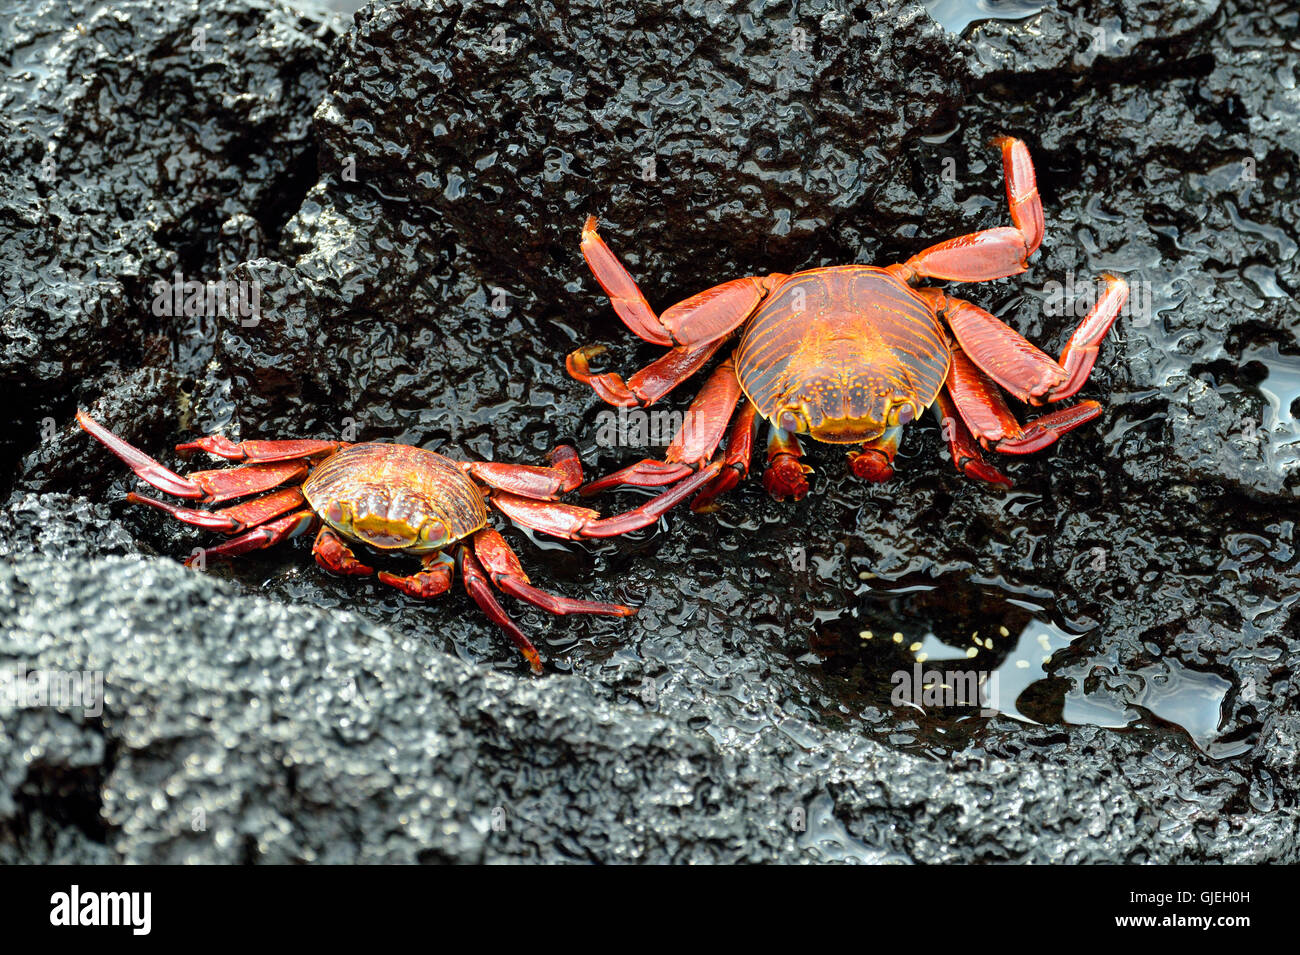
(407, 200)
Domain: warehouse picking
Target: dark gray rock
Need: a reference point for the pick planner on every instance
(428, 294)
(240, 729)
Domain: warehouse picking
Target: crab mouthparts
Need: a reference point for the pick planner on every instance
(385, 538)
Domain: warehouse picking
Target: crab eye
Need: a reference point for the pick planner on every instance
(901, 414)
(337, 514)
(788, 421)
(433, 532)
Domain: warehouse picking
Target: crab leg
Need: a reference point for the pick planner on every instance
(476, 584)
(267, 535)
(985, 412)
(1022, 190)
(1019, 366)
(230, 520)
(992, 253)
(1080, 352)
(145, 467)
(735, 466)
(650, 383)
(875, 462)
(433, 580)
(259, 452)
(332, 553)
(784, 475)
(700, 434)
(702, 318)
(965, 452)
(504, 570)
(574, 523)
(542, 483)
(210, 487)
(230, 483)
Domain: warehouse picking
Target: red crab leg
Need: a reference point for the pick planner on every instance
(784, 475)
(1019, 366)
(504, 570)
(476, 584)
(543, 483)
(704, 317)
(1022, 191)
(268, 535)
(979, 402)
(145, 467)
(259, 452)
(433, 580)
(1046, 429)
(966, 456)
(1001, 352)
(650, 383)
(210, 487)
(573, 523)
(230, 520)
(985, 413)
(992, 253)
(332, 553)
(875, 462)
(735, 466)
(229, 483)
(696, 441)
(1080, 352)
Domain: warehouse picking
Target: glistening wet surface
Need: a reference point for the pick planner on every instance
(1143, 569)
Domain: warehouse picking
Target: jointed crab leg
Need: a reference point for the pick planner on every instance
(1022, 190)
(542, 483)
(735, 465)
(230, 520)
(966, 456)
(1016, 364)
(1080, 352)
(476, 584)
(574, 523)
(696, 441)
(228, 484)
(704, 317)
(984, 411)
(259, 452)
(433, 580)
(267, 535)
(504, 570)
(145, 467)
(210, 487)
(992, 253)
(650, 383)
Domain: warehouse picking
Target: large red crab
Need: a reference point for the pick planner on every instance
(848, 355)
(395, 499)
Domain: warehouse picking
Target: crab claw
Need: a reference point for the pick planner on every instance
(784, 478)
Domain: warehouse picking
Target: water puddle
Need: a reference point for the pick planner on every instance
(956, 15)
(945, 651)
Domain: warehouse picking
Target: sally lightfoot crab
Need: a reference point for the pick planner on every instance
(848, 355)
(396, 499)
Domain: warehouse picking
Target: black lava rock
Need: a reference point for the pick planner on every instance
(405, 203)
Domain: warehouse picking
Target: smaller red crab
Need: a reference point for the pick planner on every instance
(396, 499)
